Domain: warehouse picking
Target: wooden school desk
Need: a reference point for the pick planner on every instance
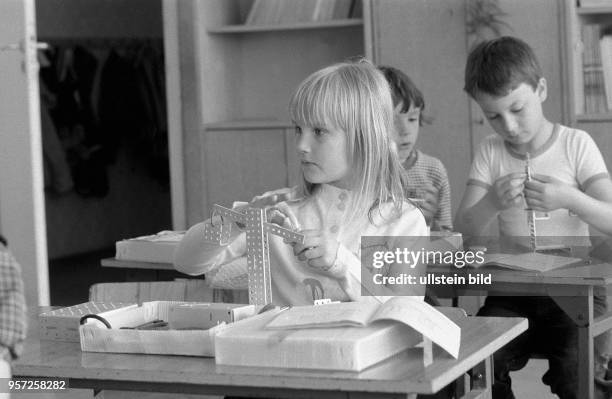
(399, 377)
(571, 288)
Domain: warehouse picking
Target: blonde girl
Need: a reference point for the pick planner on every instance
(352, 187)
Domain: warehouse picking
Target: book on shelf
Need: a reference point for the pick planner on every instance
(410, 311)
(605, 45)
(594, 3)
(529, 261)
(272, 12)
(593, 75)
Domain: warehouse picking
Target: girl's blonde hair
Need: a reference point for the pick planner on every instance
(355, 97)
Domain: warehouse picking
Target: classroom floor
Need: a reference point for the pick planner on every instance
(71, 277)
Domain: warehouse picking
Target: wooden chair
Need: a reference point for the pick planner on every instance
(190, 290)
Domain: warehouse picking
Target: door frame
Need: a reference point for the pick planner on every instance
(174, 110)
(22, 203)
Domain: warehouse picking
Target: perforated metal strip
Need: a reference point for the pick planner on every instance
(258, 261)
(287, 234)
(229, 213)
(531, 215)
(258, 256)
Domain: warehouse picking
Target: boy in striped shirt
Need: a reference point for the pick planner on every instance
(427, 177)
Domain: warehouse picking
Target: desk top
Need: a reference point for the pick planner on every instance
(132, 264)
(404, 373)
(594, 274)
(581, 274)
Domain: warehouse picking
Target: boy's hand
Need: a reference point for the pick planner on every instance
(319, 250)
(429, 205)
(546, 193)
(509, 190)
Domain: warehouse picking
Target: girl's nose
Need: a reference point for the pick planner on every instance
(302, 144)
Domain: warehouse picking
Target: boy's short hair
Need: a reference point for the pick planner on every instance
(498, 66)
(403, 90)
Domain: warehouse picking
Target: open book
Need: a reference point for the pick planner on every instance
(411, 311)
(533, 261)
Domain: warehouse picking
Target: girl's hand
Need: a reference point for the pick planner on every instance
(509, 190)
(546, 193)
(271, 198)
(320, 250)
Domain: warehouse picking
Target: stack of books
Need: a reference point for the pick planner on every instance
(273, 12)
(594, 79)
(594, 3)
(156, 248)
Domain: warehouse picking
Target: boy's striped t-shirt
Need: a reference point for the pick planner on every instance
(426, 171)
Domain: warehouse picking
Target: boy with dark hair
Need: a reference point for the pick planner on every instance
(570, 176)
(427, 177)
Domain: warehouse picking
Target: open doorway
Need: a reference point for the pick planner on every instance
(105, 134)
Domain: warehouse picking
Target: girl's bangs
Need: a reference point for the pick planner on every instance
(317, 104)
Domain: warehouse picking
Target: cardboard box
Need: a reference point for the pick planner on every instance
(95, 337)
(248, 343)
(63, 324)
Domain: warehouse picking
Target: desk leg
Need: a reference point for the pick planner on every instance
(482, 380)
(580, 310)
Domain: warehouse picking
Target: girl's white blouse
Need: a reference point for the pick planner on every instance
(294, 282)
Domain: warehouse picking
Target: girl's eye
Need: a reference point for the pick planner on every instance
(298, 130)
(516, 111)
(491, 117)
(317, 131)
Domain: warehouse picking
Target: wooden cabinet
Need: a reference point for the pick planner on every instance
(598, 124)
(247, 159)
(237, 81)
(235, 75)
(426, 39)
(586, 23)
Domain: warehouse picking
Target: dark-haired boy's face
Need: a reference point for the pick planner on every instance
(406, 129)
(517, 116)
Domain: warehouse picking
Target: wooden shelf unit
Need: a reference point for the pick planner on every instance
(333, 24)
(237, 90)
(576, 18)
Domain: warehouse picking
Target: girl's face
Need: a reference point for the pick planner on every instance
(323, 155)
(406, 129)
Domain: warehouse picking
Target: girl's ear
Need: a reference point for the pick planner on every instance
(542, 89)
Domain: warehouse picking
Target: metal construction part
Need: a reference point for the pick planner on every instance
(531, 215)
(258, 259)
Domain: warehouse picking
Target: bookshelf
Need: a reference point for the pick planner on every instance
(237, 79)
(241, 28)
(589, 67)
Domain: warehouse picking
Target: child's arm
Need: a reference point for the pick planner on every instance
(443, 217)
(479, 205)
(13, 322)
(195, 256)
(546, 193)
